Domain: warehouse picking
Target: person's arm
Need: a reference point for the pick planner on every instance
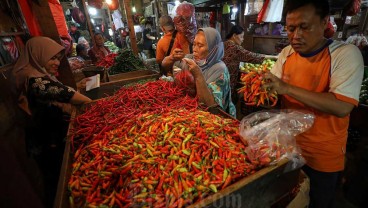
(248, 56)
(160, 53)
(168, 62)
(78, 99)
(204, 94)
(343, 94)
(150, 37)
(48, 90)
(325, 102)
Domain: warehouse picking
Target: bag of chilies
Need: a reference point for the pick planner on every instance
(270, 136)
(185, 21)
(185, 80)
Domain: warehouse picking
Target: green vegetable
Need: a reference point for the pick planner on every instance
(126, 61)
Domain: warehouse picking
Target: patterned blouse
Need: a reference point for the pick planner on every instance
(234, 54)
(220, 88)
(42, 89)
(48, 124)
(222, 94)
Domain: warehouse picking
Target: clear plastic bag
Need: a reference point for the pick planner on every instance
(185, 21)
(270, 136)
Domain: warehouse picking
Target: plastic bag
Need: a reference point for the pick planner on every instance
(353, 7)
(270, 136)
(253, 7)
(185, 80)
(185, 21)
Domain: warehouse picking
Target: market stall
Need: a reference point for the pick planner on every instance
(151, 141)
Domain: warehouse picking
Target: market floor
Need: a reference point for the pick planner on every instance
(354, 190)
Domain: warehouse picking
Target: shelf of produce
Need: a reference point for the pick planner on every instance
(117, 81)
(271, 183)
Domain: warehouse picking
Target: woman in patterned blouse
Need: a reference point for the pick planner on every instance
(235, 53)
(211, 76)
(44, 99)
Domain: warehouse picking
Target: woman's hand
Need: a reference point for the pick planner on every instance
(82, 84)
(193, 68)
(177, 55)
(276, 84)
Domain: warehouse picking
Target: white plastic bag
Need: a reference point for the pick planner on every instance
(270, 136)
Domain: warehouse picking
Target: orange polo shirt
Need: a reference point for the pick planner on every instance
(336, 68)
(164, 43)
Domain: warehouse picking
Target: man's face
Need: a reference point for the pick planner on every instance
(305, 29)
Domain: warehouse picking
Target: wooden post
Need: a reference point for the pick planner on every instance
(48, 27)
(88, 19)
(133, 39)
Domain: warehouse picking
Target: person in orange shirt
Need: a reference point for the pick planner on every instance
(323, 77)
(172, 42)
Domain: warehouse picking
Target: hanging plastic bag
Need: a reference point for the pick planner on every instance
(274, 11)
(78, 16)
(95, 3)
(353, 7)
(270, 136)
(185, 21)
(253, 7)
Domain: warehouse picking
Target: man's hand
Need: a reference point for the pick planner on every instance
(193, 68)
(276, 84)
(177, 55)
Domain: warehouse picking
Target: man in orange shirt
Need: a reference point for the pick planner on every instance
(172, 42)
(323, 77)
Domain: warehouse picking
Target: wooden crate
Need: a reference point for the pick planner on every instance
(261, 189)
(109, 88)
(129, 75)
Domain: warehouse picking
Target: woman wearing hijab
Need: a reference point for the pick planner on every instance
(235, 53)
(210, 73)
(44, 99)
(98, 51)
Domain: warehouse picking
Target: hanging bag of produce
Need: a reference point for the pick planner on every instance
(96, 3)
(185, 21)
(353, 7)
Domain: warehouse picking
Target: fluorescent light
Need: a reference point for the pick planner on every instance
(134, 10)
(93, 21)
(110, 32)
(92, 11)
(234, 9)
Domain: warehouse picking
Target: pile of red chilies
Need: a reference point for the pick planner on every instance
(109, 113)
(170, 159)
(108, 61)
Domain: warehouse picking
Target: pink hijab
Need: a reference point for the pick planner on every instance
(37, 52)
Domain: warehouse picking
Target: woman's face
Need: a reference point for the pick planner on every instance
(53, 64)
(99, 40)
(200, 47)
(238, 38)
